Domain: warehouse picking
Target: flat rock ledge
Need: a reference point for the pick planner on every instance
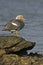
(13, 44)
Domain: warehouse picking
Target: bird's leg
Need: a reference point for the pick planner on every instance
(17, 33)
(12, 32)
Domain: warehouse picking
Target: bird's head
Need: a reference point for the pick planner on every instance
(20, 17)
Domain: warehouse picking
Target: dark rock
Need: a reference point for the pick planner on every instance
(35, 54)
(13, 51)
(14, 44)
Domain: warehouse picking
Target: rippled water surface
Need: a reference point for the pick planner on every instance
(32, 11)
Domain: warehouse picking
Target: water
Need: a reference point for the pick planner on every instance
(33, 12)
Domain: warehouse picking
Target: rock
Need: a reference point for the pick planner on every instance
(2, 51)
(12, 59)
(12, 49)
(9, 59)
(15, 44)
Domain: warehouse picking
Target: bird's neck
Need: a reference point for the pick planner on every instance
(20, 20)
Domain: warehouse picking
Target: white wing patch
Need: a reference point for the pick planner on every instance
(14, 24)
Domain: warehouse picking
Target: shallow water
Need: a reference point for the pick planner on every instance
(32, 11)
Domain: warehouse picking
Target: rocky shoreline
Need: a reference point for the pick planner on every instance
(13, 59)
(13, 52)
(15, 45)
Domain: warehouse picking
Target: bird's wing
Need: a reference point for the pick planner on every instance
(14, 24)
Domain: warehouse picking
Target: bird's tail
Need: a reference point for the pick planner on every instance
(3, 27)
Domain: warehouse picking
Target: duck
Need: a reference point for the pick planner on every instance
(15, 25)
